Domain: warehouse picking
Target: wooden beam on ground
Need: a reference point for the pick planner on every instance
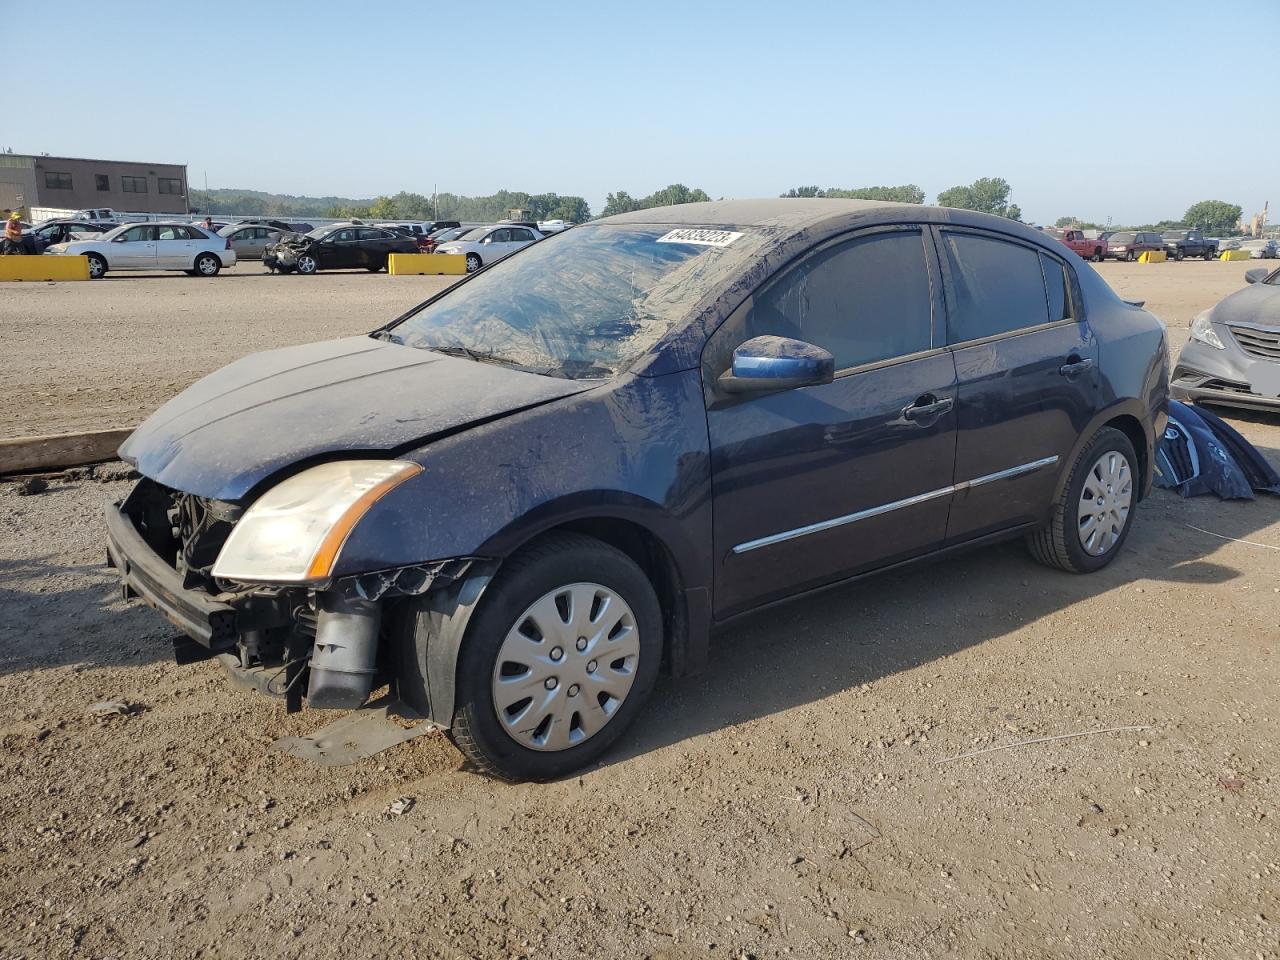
(60, 450)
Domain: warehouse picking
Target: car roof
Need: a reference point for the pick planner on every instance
(816, 218)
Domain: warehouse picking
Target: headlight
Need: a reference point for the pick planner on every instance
(294, 532)
(1202, 330)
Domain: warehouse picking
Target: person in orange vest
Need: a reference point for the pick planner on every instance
(13, 233)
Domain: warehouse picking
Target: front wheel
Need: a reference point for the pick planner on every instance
(1090, 521)
(1179, 255)
(207, 265)
(473, 262)
(97, 266)
(307, 264)
(560, 657)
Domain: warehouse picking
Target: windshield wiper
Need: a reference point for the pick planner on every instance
(479, 356)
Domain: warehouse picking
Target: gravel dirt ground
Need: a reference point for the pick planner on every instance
(791, 802)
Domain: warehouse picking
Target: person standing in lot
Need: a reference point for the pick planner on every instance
(208, 224)
(13, 234)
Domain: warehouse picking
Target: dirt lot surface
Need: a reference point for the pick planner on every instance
(791, 802)
(91, 356)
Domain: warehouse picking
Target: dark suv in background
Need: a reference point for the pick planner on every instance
(1188, 243)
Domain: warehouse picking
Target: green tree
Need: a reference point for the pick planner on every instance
(1213, 216)
(906, 193)
(986, 195)
(623, 202)
(1066, 221)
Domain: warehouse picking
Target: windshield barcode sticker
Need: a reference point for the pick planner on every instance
(704, 238)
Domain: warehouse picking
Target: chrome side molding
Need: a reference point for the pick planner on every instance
(895, 505)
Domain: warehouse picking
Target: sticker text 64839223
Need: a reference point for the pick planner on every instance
(704, 238)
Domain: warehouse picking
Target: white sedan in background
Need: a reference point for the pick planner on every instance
(152, 246)
(484, 245)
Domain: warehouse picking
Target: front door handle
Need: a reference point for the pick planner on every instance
(1075, 366)
(927, 408)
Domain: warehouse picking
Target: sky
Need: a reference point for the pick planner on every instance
(1094, 110)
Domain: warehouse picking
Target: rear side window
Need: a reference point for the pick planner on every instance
(995, 287)
(864, 301)
(1057, 287)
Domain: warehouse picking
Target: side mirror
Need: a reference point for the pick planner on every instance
(1256, 275)
(777, 363)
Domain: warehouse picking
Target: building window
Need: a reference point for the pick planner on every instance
(57, 181)
(169, 185)
(133, 184)
(103, 181)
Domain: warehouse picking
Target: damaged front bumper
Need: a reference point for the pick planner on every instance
(325, 642)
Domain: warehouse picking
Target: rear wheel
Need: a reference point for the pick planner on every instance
(97, 266)
(1210, 254)
(559, 659)
(375, 267)
(1097, 255)
(207, 265)
(1090, 521)
(473, 262)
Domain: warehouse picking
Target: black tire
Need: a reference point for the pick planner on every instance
(1058, 544)
(1179, 255)
(544, 566)
(375, 267)
(1210, 254)
(207, 265)
(1097, 255)
(473, 262)
(97, 266)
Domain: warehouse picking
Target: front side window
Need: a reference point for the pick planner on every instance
(500, 236)
(135, 234)
(864, 300)
(343, 236)
(995, 287)
(57, 181)
(133, 184)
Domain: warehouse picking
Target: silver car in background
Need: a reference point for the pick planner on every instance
(152, 246)
(249, 240)
(1233, 355)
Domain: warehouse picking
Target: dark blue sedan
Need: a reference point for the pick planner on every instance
(520, 500)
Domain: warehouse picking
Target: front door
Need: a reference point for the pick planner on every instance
(818, 483)
(1026, 364)
(135, 249)
(339, 250)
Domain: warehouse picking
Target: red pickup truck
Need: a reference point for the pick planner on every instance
(1078, 242)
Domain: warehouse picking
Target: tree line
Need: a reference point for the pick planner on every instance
(1208, 216)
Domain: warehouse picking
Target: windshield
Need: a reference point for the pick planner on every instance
(1121, 238)
(320, 232)
(1175, 234)
(581, 305)
(475, 234)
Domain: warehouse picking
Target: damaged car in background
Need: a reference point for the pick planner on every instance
(520, 500)
(337, 246)
(1233, 354)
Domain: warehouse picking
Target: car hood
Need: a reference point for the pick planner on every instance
(357, 396)
(1258, 303)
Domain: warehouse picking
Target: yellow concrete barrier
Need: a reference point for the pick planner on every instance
(1228, 255)
(407, 264)
(44, 268)
(1153, 256)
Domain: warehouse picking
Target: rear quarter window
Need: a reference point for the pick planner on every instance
(994, 287)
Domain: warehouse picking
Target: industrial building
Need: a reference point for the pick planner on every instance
(74, 183)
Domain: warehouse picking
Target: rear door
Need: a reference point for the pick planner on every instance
(1027, 371)
(175, 250)
(814, 484)
(135, 249)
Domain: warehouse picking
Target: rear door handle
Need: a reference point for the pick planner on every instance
(927, 408)
(1074, 367)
